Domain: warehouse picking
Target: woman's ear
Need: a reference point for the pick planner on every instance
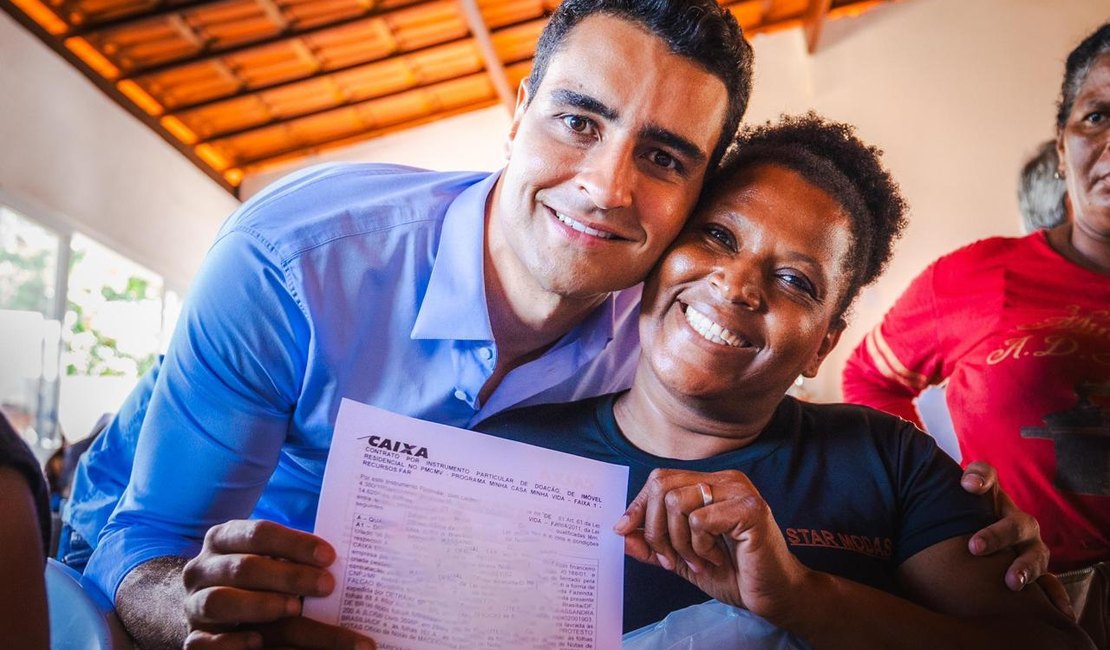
(832, 337)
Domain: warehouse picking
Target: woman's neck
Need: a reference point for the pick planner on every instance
(1090, 250)
(661, 423)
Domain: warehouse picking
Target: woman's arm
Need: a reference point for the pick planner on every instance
(901, 356)
(733, 550)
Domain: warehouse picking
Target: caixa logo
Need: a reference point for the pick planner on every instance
(396, 445)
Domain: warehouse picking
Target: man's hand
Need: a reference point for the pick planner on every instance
(1017, 530)
(245, 589)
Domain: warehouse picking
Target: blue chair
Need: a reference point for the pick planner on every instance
(80, 618)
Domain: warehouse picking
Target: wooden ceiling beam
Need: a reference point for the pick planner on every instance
(206, 56)
(224, 135)
(494, 67)
(178, 109)
(257, 164)
(162, 10)
(813, 21)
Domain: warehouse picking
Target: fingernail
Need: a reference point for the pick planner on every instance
(323, 555)
(1023, 578)
(693, 567)
(664, 561)
(976, 545)
(293, 607)
(254, 640)
(975, 481)
(324, 584)
(363, 645)
(622, 522)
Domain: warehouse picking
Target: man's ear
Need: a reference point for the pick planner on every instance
(832, 337)
(522, 99)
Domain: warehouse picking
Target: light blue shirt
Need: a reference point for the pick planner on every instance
(359, 281)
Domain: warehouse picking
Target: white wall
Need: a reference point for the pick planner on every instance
(70, 155)
(957, 92)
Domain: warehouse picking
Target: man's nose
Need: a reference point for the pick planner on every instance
(607, 175)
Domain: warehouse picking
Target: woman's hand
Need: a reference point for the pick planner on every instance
(715, 530)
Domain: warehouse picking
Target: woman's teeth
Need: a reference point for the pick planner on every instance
(711, 330)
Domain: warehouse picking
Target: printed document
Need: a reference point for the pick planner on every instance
(449, 538)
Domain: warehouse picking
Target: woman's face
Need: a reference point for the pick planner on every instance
(1084, 148)
(749, 290)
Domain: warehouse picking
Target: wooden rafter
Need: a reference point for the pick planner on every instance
(494, 67)
(813, 21)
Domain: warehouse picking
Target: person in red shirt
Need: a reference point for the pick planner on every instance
(1019, 328)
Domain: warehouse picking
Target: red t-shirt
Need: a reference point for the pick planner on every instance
(1020, 334)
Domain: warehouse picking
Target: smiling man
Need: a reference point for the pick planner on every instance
(445, 296)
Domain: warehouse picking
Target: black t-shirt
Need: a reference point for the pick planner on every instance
(14, 453)
(855, 491)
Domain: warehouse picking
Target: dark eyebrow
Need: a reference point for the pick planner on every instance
(585, 102)
(655, 133)
(675, 141)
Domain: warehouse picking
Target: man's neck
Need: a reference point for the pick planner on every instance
(525, 318)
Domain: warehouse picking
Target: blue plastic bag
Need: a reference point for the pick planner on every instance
(711, 626)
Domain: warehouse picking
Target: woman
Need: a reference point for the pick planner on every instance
(752, 295)
(1020, 330)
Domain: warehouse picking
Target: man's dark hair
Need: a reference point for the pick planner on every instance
(1076, 69)
(830, 156)
(700, 30)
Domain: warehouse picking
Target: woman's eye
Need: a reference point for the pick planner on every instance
(722, 236)
(1096, 117)
(799, 282)
(576, 123)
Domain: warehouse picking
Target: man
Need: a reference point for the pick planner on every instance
(449, 297)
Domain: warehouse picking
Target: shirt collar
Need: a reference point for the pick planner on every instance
(454, 304)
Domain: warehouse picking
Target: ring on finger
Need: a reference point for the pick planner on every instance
(706, 494)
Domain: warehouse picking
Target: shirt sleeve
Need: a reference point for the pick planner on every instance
(934, 505)
(900, 356)
(218, 413)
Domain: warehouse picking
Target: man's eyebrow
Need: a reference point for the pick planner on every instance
(585, 102)
(656, 133)
(675, 141)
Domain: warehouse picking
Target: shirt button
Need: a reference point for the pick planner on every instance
(486, 353)
(460, 395)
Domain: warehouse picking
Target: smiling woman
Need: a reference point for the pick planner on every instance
(838, 523)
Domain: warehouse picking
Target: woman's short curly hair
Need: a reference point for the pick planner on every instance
(830, 156)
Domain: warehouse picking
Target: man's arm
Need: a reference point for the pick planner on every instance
(244, 590)
(150, 604)
(216, 421)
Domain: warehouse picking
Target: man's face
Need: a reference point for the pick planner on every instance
(606, 160)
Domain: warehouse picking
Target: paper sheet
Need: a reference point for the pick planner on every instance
(449, 538)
